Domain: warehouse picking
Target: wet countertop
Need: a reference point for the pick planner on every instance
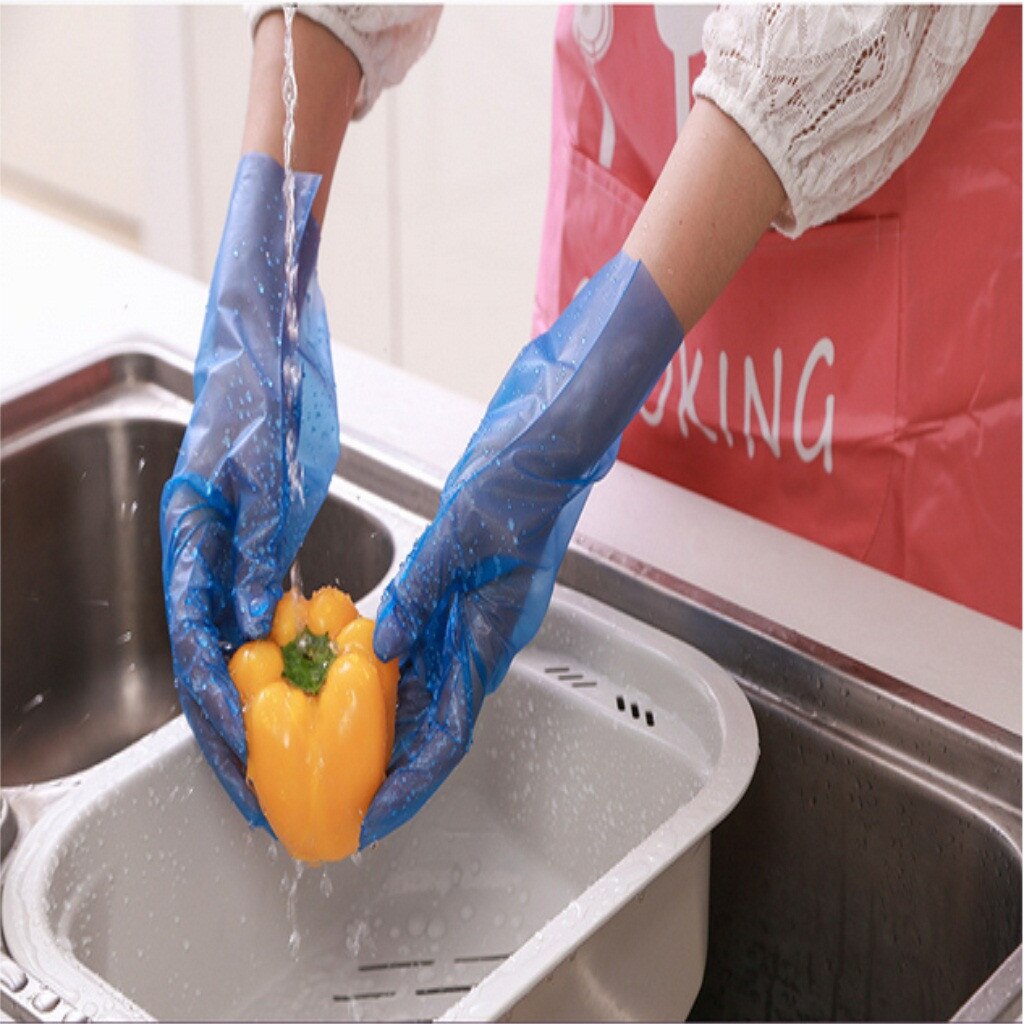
(65, 293)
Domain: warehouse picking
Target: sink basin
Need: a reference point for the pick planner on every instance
(85, 660)
(899, 900)
(572, 829)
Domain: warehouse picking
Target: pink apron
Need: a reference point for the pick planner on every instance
(860, 386)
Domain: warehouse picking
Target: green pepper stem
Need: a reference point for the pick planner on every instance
(306, 661)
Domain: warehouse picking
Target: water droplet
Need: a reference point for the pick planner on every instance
(32, 704)
(357, 934)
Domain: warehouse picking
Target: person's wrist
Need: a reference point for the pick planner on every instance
(328, 77)
(713, 200)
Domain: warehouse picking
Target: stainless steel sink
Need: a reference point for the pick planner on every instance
(872, 871)
(85, 659)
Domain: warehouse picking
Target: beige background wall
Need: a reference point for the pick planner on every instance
(126, 120)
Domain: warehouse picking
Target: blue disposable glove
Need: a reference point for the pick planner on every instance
(230, 523)
(478, 582)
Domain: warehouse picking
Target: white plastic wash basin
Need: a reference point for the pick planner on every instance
(562, 872)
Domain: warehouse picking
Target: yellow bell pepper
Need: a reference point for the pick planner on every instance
(319, 713)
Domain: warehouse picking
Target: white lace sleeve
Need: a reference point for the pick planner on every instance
(835, 97)
(386, 39)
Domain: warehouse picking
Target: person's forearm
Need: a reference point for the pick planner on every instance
(714, 199)
(328, 77)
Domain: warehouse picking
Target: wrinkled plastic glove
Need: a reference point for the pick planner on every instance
(477, 584)
(231, 520)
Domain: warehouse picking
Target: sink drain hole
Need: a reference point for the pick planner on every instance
(567, 674)
(635, 710)
(580, 680)
(396, 965)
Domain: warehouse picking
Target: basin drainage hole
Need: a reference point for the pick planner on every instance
(634, 710)
(399, 985)
(579, 680)
(396, 965)
(364, 995)
(566, 674)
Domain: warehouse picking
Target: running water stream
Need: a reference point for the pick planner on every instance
(292, 368)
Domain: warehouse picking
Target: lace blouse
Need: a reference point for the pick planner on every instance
(835, 97)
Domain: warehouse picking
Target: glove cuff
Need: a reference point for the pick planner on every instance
(572, 391)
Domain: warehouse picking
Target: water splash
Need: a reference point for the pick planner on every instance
(32, 704)
(291, 908)
(355, 935)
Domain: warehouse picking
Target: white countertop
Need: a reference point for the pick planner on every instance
(64, 292)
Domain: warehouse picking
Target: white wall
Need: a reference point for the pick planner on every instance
(68, 113)
(127, 120)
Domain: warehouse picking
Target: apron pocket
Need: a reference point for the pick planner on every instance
(590, 214)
